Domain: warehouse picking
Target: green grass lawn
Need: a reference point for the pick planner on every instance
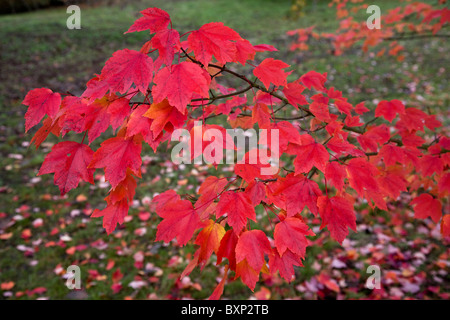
(37, 50)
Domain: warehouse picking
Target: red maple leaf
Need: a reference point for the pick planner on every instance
(244, 51)
(361, 176)
(389, 109)
(337, 215)
(126, 67)
(40, 102)
(179, 83)
(335, 175)
(165, 117)
(209, 241)
(227, 249)
(154, 19)
(139, 124)
(214, 39)
(291, 234)
(113, 214)
(374, 136)
(251, 246)
(293, 92)
(167, 42)
(299, 192)
(69, 161)
(96, 88)
(248, 275)
(238, 207)
(426, 206)
(116, 155)
(180, 220)
(313, 79)
(309, 154)
(391, 154)
(343, 106)
(284, 264)
(271, 71)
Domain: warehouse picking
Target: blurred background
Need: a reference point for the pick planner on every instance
(42, 233)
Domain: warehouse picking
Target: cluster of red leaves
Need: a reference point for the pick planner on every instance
(403, 22)
(338, 159)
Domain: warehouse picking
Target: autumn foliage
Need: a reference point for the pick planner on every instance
(339, 159)
(409, 20)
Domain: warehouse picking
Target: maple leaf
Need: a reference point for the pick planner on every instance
(154, 19)
(214, 139)
(167, 42)
(165, 117)
(96, 89)
(69, 161)
(40, 102)
(249, 171)
(412, 119)
(374, 136)
(429, 164)
(126, 189)
(444, 183)
(426, 206)
(261, 115)
(213, 39)
(341, 146)
(48, 126)
(73, 115)
(209, 240)
(335, 175)
(256, 191)
(360, 108)
(291, 234)
(389, 109)
(321, 111)
(251, 246)
(270, 71)
(116, 155)
(169, 196)
(227, 249)
(179, 83)
(244, 51)
(392, 183)
(343, 106)
(287, 134)
(139, 124)
(180, 220)
(445, 226)
(299, 192)
(105, 111)
(212, 187)
(361, 176)
(126, 67)
(313, 79)
(284, 264)
(112, 215)
(293, 92)
(248, 275)
(337, 215)
(309, 154)
(238, 207)
(391, 154)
